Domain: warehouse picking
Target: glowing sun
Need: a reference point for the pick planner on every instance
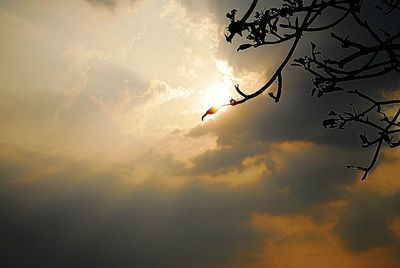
(216, 95)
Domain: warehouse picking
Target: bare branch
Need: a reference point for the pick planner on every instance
(288, 23)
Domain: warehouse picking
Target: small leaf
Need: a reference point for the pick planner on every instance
(332, 113)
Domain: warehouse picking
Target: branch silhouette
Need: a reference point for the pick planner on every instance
(364, 60)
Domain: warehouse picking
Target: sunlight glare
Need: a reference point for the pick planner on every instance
(216, 95)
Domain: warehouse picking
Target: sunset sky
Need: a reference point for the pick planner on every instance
(105, 162)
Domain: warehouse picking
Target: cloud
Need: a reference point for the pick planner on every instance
(193, 63)
(365, 222)
(80, 61)
(140, 114)
(305, 243)
(86, 217)
(110, 4)
(104, 3)
(85, 213)
(221, 160)
(197, 26)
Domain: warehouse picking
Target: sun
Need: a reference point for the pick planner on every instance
(216, 95)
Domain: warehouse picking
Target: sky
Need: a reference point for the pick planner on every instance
(105, 162)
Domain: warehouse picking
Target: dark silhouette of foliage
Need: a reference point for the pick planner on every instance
(288, 23)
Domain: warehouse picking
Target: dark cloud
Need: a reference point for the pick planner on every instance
(364, 223)
(69, 218)
(223, 160)
(81, 215)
